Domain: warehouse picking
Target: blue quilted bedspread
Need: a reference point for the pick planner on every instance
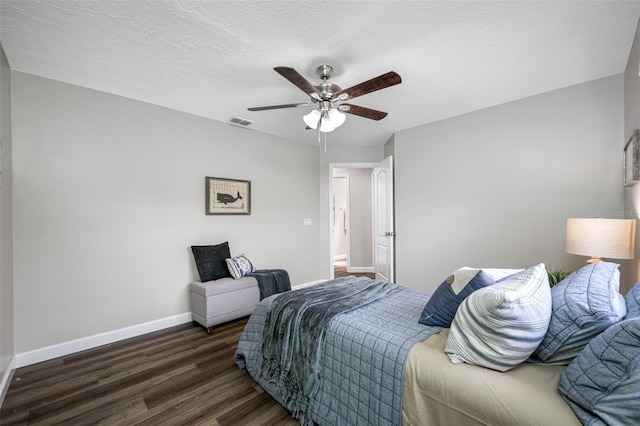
(362, 360)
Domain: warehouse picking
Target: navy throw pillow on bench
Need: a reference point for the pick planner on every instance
(211, 261)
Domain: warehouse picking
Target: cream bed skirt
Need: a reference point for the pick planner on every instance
(438, 392)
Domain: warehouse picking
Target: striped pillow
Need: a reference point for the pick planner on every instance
(500, 326)
(240, 266)
(444, 302)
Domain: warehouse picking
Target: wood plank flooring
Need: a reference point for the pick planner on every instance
(340, 270)
(180, 375)
(177, 376)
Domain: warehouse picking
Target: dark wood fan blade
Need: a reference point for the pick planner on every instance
(380, 82)
(372, 114)
(298, 80)
(265, 108)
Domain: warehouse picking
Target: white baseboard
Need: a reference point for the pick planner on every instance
(307, 284)
(66, 348)
(339, 257)
(6, 379)
(360, 269)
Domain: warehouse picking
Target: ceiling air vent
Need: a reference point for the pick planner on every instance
(242, 122)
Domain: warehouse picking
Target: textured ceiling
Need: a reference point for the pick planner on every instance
(216, 58)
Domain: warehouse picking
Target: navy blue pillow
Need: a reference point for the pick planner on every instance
(211, 261)
(443, 304)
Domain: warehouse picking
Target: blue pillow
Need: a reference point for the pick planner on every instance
(602, 384)
(443, 304)
(632, 300)
(584, 305)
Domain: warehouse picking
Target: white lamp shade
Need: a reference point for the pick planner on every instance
(326, 125)
(312, 119)
(332, 120)
(611, 238)
(337, 118)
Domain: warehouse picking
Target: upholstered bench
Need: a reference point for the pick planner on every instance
(230, 287)
(222, 300)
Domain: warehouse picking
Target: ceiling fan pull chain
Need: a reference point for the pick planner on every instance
(325, 142)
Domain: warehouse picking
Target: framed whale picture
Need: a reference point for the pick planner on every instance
(227, 196)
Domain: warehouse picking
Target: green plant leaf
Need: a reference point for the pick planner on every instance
(557, 274)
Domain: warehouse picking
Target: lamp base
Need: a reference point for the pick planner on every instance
(594, 259)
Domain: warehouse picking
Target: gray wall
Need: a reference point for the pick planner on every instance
(631, 122)
(109, 195)
(360, 216)
(361, 219)
(389, 147)
(495, 187)
(6, 230)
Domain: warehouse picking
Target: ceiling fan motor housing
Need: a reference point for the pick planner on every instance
(326, 89)
(325, 71)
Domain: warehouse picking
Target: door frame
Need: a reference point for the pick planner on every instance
(370, 165)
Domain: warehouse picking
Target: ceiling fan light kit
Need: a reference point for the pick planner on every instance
(328, 121)
(328, 98)
(311, 119)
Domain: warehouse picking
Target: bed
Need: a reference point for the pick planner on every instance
(370, 362)
(442, 393)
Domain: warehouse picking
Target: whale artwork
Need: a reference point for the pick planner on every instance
(227, 198)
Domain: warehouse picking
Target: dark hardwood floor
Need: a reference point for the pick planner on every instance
(177, 376)
(340, 270)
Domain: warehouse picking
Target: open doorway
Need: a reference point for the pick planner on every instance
(351, 221)
(367, 222)
(339, 218)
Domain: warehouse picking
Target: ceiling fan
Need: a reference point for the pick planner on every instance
(329, 98)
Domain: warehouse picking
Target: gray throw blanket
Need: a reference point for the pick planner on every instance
(293, 338)
(271, 281)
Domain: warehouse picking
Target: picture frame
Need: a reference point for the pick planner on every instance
(632, 159)
(227, 196)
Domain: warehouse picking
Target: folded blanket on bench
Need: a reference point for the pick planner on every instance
(271, 281)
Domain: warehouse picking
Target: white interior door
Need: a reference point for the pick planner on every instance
(383, 229)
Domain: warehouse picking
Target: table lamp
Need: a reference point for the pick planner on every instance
(598, 238)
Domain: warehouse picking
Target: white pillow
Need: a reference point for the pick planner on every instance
(500, 273)
(500, 326)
